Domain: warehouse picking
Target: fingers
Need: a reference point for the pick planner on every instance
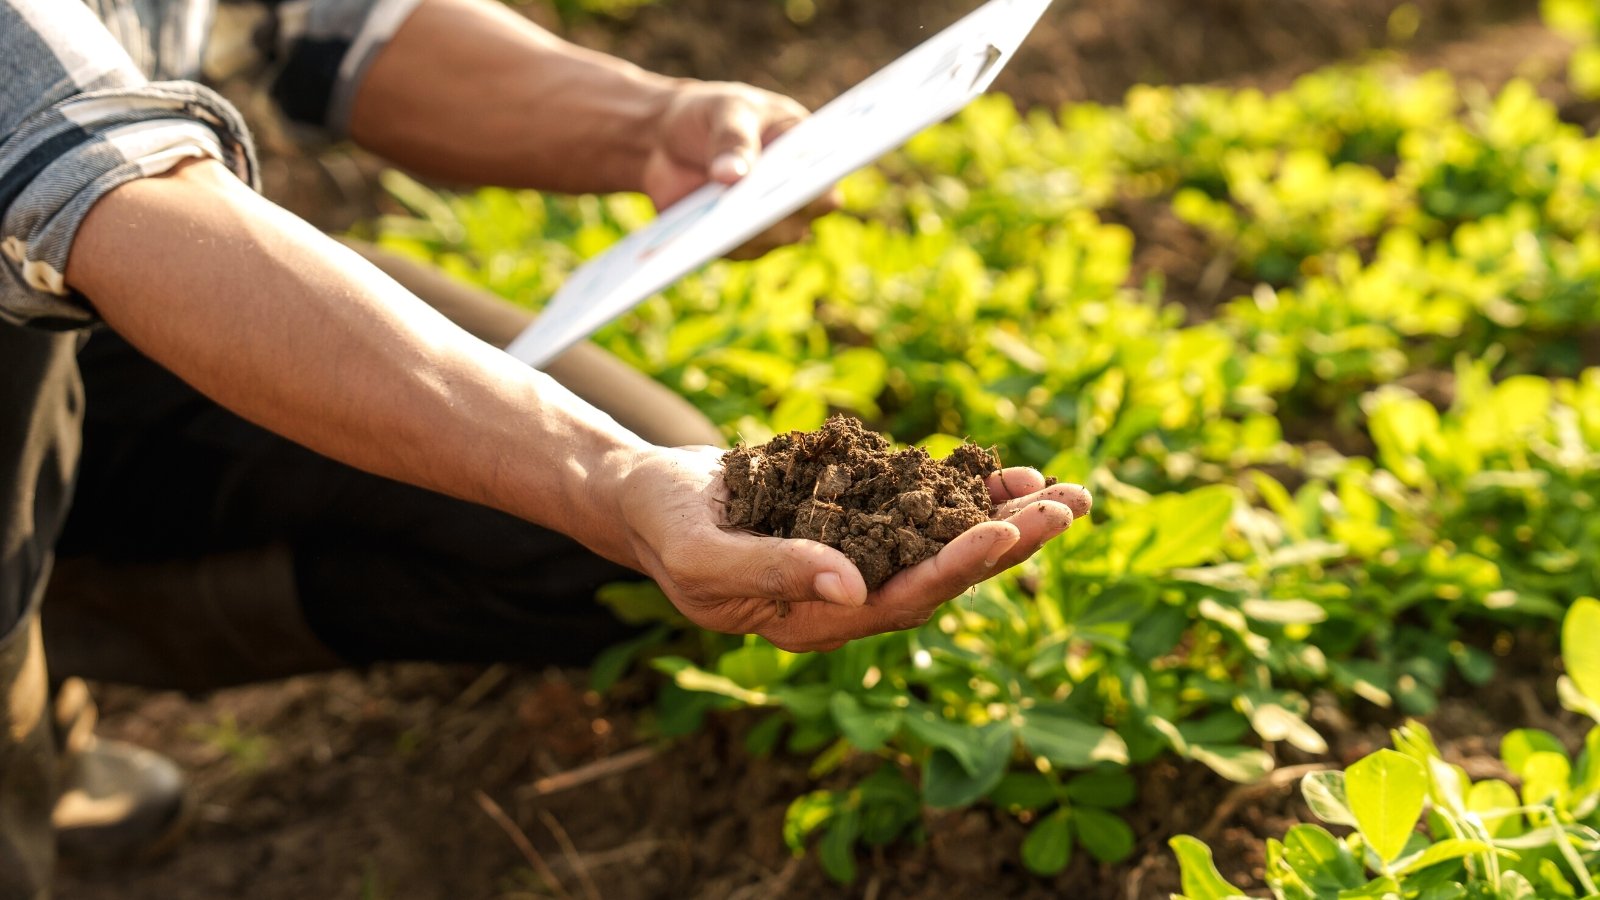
(906, 601)
(1009, 484)
(735, 139)
(797, 571)
(1036, 524)
(1072, 496)
(744, 123)
(911, 597)
(963, 562)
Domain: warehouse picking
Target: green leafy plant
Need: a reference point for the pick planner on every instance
(1480, 839)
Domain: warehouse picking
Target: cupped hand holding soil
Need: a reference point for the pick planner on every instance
(804, 595)
(842, 486)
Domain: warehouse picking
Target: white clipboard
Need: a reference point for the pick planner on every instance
(927, 85)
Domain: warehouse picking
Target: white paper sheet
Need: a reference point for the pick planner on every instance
(927, 85)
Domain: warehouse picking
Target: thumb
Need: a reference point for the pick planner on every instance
(735, 141)
(795, 570)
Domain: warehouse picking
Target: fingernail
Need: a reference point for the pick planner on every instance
(993, 559)
(999, 548)
(831, 587)
(730, 166)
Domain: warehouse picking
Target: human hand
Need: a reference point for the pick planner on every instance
(714, 131)
(802, 595)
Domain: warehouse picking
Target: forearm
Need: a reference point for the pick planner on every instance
(469, 91)
(296, 333)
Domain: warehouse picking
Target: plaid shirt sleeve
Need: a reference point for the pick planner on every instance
(323, 49)
(76, 120)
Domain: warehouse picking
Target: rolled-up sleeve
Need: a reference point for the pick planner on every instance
(77, 119)
(324, 48)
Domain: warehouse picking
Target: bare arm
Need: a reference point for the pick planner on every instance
(282, 325)
(469, 91)
(286, 327)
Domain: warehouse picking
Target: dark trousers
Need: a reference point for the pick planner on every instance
(40, 403)
(380, 570)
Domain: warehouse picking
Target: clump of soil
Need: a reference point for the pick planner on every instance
(841, 485)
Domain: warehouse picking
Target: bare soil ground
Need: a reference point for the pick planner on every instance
(373, 786)
(426, 782)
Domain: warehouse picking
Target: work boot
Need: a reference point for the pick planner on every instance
(119, 803)
(193, 625)
(27, 766)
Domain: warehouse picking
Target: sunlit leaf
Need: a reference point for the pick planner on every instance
(1201, 880)
(1386, 791)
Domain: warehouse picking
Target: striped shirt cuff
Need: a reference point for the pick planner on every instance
(327, 46)
(54, 169)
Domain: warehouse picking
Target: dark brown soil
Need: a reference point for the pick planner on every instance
(841, 485)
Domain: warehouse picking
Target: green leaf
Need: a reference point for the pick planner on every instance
(680, 712)
(1158, 633)
(889, 805)
(1224, 726)
(763, 737)
(806, 701)
(806, 814)
(1384, 888)
(1517, 746)
(1555, 881)
(866, 727)
(1586, 788)
(638, 602)
(801, 411)
(1187, 529)
(1495, 803)
(1241, 764)
(1475, 665)
(1324, 792)
(1546, 778)
(1201, 880)
(1575, 699)
(1447, 785)
(1105, 835)
(1048, 847)
(1580, 646)
(692, 678)
(756, 665)
(940, 446)
(614, 661)
(1106, 789)
(1444, 851)
(1321, 860)
(1284, 612)
(837, 851)
(1386, 791)
(1276, 722)
(962, 740)
(1071, 743)
(1018, 791)
(946, 783)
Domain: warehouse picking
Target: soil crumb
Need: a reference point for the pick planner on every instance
(841, 485)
